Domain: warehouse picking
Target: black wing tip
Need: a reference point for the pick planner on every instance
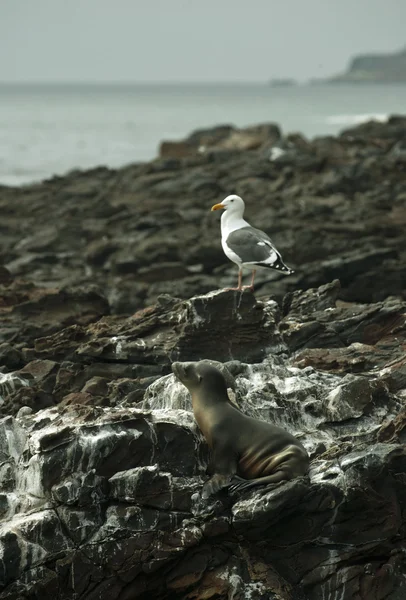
(282, 268)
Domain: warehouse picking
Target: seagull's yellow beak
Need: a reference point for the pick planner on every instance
(217, 206)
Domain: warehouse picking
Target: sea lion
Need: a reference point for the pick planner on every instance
(246, 452)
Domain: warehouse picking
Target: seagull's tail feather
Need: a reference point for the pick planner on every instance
(278, 265)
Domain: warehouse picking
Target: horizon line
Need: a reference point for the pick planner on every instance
(152, 82)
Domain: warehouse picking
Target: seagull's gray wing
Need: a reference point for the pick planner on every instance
(253, 246)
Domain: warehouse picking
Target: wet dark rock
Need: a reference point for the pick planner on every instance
(10, 356)
(301, 304)
(97, 386)
(98, 252)
(209, 256)
(222, 138)
(84, 398)
(334, 206)
(351, 328)
(101, 461)
(109, 477)
(165, 271)
(5, 275)
(136, 345)
(351, 398)
(28, 311)
(10, 383)
(42, 372)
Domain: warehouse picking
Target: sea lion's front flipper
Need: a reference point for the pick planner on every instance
(241, 485)
(224, 467)
(215, 484)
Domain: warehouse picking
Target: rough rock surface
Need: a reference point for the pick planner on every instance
(334, 207)
(99, 493)
(101, 461)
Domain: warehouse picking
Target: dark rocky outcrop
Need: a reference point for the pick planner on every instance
(98, 491)
(101, 461)
(222, 138)
(335, 208)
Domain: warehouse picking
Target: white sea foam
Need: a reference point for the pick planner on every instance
(356, 119)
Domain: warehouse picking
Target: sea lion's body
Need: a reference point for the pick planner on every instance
(241, 446)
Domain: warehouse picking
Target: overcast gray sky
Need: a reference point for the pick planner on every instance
(191, 40)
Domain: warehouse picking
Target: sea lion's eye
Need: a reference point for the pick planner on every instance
(199, 378)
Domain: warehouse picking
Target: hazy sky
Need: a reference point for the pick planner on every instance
(191, 40)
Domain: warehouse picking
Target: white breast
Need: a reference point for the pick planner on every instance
(229, 253)
(229, 223)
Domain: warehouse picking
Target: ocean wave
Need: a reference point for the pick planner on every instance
(356, 119)
(17, 180)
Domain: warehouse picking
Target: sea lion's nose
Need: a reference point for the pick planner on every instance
(177, 369)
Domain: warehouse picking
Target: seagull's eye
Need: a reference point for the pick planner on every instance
(232, 200)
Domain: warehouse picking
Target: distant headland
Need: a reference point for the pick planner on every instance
(364, 68)
(373, 68)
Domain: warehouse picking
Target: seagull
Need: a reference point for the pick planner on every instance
(246, 245)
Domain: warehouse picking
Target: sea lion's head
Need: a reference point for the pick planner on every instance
(186, 372)
(194, 375)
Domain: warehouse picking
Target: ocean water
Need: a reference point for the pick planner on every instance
(51, 129)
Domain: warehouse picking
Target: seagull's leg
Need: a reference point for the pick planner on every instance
(239, 288)
(251, 287)
(252, 280)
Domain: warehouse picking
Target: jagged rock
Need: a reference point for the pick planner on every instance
(95, 474)
(101, 462)
(42, 372)
(28, 311)
(104, 495)
(10, 356)
(352, 397)
(334, 207)
(98, 386)
(192, 332)
(5, 275)
(120, 357)
(98, 252)
(394, 430)
(223, 137)
(302, 304)
(344, 326)
(84, 398)
(10, 383)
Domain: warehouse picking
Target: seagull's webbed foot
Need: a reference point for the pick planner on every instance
(251, 287)
(239, 287)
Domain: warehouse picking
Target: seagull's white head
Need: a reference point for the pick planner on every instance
(232, 204)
